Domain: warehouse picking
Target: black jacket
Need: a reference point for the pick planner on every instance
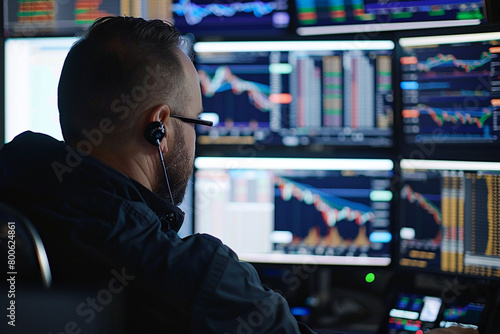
(98, 224)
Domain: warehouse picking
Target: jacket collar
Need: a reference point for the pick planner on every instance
(171, 216)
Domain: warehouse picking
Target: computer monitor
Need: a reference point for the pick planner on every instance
(32, 70)
(208, 18)
(315, 17)
(450, 90)
(297, 93)
(292, 210)
(449, 217)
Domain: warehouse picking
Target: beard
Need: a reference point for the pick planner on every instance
(179, 172)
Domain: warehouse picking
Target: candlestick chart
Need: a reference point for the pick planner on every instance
(327, 216)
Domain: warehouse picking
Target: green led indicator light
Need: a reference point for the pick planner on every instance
(370, 277)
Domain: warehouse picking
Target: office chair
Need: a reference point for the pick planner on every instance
(20, 242)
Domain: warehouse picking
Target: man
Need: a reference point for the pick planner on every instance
(104, 203)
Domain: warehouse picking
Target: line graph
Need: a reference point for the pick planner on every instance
(442, 60)
(194, 14)
(440, 116)
(224, 80)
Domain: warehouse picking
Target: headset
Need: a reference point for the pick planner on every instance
(154, 133)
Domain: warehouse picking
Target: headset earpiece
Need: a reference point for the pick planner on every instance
(154, 133)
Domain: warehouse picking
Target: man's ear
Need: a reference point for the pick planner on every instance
(161, 114)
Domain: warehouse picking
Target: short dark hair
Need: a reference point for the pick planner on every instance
(105, 73)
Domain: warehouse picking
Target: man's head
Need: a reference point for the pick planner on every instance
(123, 74)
